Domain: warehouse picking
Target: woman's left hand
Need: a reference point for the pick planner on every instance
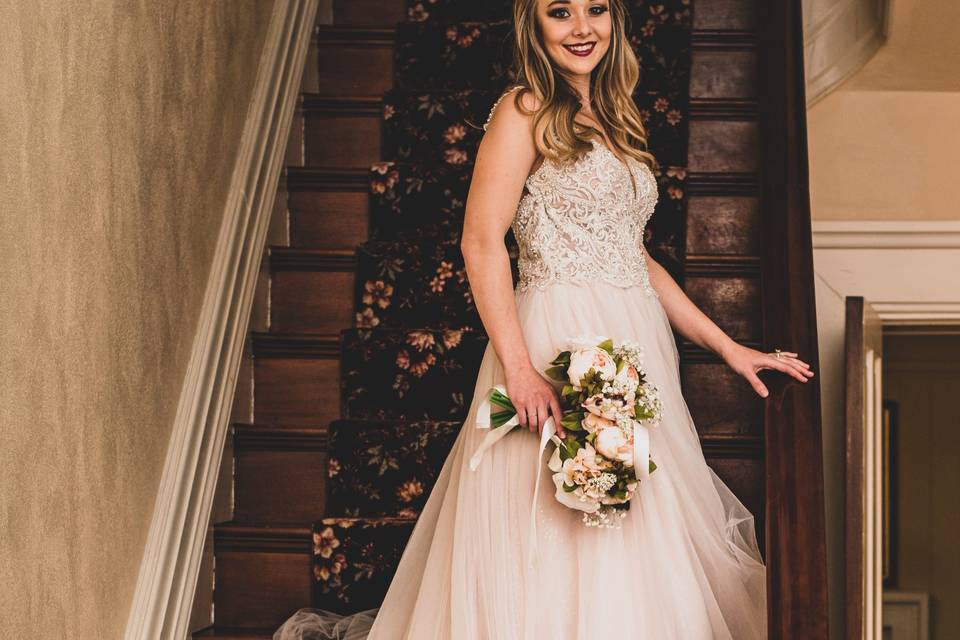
(747, 362)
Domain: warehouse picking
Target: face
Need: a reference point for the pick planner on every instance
(576, 33)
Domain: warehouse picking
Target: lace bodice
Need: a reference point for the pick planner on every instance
(583, 221)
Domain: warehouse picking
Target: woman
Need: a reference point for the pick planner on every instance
(563, 163)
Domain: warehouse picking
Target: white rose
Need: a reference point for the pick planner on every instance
(591, 422)
(614, 445)
(628, 378)
(583, 360)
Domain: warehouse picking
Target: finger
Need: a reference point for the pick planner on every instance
(798, 362)
(786, 367)
(758, 386)
(557, 416)
(522, 415)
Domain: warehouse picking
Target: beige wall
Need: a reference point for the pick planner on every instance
(922, 373)
(883, 145)
(119, 124)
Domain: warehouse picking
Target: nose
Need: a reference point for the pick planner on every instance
(581, 25)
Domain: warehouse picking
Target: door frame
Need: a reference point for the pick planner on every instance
(884, 260)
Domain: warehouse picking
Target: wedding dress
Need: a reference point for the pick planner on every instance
(684, 563)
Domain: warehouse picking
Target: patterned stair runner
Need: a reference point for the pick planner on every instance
(408, 368)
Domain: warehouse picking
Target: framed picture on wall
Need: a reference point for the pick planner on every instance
(889, 449)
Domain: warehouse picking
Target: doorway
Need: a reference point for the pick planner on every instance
(903, 483)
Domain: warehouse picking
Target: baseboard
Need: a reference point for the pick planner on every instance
(165, 587)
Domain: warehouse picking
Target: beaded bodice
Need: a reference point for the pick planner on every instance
(583, 221)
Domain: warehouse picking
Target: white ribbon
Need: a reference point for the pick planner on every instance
(641, 453)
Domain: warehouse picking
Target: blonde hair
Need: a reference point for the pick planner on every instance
(612, 83)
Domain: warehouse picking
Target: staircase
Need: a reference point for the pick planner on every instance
(362, 379)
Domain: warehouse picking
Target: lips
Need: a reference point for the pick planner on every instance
(582, 49)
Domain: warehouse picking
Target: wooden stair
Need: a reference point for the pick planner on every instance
(265, 556)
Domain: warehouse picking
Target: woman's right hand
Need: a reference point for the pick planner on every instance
(535, 399)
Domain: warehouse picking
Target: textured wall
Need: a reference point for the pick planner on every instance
(119, 124)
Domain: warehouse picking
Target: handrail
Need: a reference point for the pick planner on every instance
(795, 517)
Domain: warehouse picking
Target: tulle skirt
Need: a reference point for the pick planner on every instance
(684, 563)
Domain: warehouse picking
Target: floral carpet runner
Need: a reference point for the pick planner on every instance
(408, 368)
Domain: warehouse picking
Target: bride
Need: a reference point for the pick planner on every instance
(563, 163)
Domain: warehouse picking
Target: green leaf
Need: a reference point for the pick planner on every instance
(607, 345)
(571, 421)
(558, 373)
(653, 466)
(569, 488)
(563, 358)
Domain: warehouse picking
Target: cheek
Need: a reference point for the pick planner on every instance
(553, 33)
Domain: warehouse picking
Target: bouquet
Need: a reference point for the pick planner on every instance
(607, 406)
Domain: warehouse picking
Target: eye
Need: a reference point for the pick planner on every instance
(560, 13)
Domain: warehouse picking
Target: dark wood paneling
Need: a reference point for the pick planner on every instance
(723, 225)
(722, 146)
(724, 14)
(733, 303)
(723, 74)
(354, 61)
(730, 407)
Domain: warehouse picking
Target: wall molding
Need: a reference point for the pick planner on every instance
(164, 593)
(904, 268)
(886, 234)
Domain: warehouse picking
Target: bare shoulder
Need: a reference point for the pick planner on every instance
(506, 107)
(509, 128)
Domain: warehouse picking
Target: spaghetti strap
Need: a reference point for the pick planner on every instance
(497, 104)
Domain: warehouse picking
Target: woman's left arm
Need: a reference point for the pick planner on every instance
(696, 327)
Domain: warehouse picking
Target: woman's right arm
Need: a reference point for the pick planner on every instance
(504, 159)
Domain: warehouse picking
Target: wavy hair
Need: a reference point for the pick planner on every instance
(612, 83)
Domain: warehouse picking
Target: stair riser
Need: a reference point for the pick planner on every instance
(260, 589)
(342, 140)
(296, 391)
(355, 68)
(367, 13)
(329, 219)
(280, 486)
(312, 301)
